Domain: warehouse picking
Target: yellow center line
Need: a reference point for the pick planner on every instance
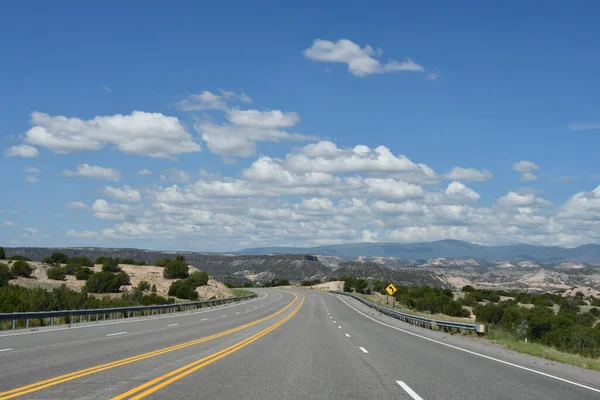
(34, 387)
(181, 372)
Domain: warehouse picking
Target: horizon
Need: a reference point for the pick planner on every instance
(408, 123)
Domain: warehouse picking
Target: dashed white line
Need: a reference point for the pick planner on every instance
(364, 350)
(408, 390)
(334, 322)
(472, 352)
(247, 309)
(237, 312)
(223, 316)
(339, 327)
(6, 350)
(116, 333)
(204, 319)
(331, 317)
(346, 335)
(172, 324)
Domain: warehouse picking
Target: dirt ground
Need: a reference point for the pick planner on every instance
(327, 286)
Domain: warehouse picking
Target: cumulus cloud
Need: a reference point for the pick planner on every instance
(30, 232)
(207, 100)
(176, 175)
(126, 193)
(526, 169)
(361, 62)
(431, 76)
(77, 205)
(144, 172)
(83, 234)
(112, 211)
(273, 119)
(22, 150)
(142, 133)
(469, 174)
(8, 223)
(513, 199)
(32, 170)
(583, 127)
(32, 179)
(94, 171)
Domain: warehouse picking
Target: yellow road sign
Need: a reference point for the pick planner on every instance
(391, 289)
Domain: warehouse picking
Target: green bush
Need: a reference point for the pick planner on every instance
(595, 301)
(101, 260)
(247, 285)
(56, 273)
(123, 278)
(175, 269)
(161, 262)
(19, 258)
(198, 278)
(83, 273)
(183, 289)
(56, 258)
(2, 253)
(81, 261)
(103, 282)
(5, 274)
(111, 265)
(22, 268)
(143, 285)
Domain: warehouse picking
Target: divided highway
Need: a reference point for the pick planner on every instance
(285, 344)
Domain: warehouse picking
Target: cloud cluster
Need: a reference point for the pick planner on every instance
(94, 171)
(526, 169)
(361, 62)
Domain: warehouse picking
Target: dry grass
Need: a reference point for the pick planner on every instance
(542, 351)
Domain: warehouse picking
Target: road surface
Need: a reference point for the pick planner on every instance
(285, 344)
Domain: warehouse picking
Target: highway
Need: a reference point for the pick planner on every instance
(285, 344)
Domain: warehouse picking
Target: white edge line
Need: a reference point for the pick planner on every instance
(364, 350)
(204, 319)
(136, 319)
(346, 335)
(339, 327)
(408, 390)
(6, 350)
(116, 333)
(172, 324)
(472, 352)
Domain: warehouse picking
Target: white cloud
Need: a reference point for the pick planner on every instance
(32, 170)
(32, 179)
(105, 210)
(142, 133)
(77, 205)
(529, 177)
(8, 223)
(22, 150)
(361, 62)
(525, 166)
(513, 199)
(459, 190)
(583, 127)
(469, 174)
(273, 119)
(431, 76)
(127, 193)
(393, 190)
(176, 175)
(144, 172)
(207, 100)
(106, 88)
(94, 171)
(30, 232)
(82, 234)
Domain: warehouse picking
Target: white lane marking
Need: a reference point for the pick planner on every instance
(116, 333)
(237, 312)
(334, 322)
(204, 319)
(247, 309)
(472, 352)
(172, 324)
(6, 350)
(331, 317)
(339, 327)
(223, 316)
(140, 319)
(364, 350)
(408, 390)
(346, 335)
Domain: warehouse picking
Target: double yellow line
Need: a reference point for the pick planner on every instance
(34, 387)
(166, 379)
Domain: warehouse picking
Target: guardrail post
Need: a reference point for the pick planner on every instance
(51, 320)
(14, 323)
(27, 323)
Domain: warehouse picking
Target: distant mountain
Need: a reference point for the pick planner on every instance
(442, 248)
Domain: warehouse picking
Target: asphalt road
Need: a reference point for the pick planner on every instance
(287, 344)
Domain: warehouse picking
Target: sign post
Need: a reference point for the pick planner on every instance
(391, 289)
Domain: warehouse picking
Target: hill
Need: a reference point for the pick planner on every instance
(443, 248)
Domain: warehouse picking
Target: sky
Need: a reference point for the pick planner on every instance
(215, 127)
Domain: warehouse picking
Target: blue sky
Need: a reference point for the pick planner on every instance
(251, 116)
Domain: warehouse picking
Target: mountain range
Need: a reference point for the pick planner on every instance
(442, 248)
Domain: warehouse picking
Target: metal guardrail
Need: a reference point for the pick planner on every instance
(417, 320)
(119, 312)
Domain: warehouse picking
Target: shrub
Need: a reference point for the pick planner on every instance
(143, 285)
(594, 311)
(5, 274)
(198, 278)
(175, 269)
(180, 258)
(468, 289)
(83, 273)
(101, 260)
(22, 268)
(56, 273)
(183, 289)
(2, 253)
(595, 301)
(123, 278)
(19, 258)
(57, 258)
(81, 260)
(111, 265)
(161, 262)
(103, 282)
